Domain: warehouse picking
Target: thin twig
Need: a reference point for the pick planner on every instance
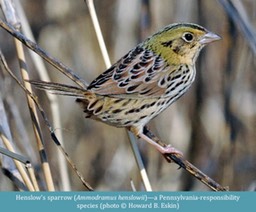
(178, 159)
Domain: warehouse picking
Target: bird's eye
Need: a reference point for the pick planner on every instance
(188, 37)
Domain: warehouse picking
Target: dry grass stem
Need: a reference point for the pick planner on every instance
(18, 164)
(34, 117)
(97, 29)
(12, 17)
(141, 167)
(32, 176)
(53, 100)
(54, 137)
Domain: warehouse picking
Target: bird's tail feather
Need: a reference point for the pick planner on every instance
(59, 89)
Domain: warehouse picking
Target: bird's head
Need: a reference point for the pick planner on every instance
(180, 43)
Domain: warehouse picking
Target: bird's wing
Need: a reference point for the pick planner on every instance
(140, 73)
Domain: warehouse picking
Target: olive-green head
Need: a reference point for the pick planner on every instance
(180, 43)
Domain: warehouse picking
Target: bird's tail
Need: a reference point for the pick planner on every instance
(59, 89)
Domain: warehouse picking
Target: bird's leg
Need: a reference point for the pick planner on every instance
(168, 149)
(147, 136)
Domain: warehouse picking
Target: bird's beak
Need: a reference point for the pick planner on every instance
(208, 38)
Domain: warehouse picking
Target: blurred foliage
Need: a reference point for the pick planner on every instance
(213, 124)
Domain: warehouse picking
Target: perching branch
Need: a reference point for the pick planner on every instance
(190, 168)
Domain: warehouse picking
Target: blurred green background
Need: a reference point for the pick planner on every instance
(214, 124)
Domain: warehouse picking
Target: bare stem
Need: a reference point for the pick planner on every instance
(178, 159)
(53, 99)
(18, 164)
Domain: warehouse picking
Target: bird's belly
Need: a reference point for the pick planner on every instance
(128, 112)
